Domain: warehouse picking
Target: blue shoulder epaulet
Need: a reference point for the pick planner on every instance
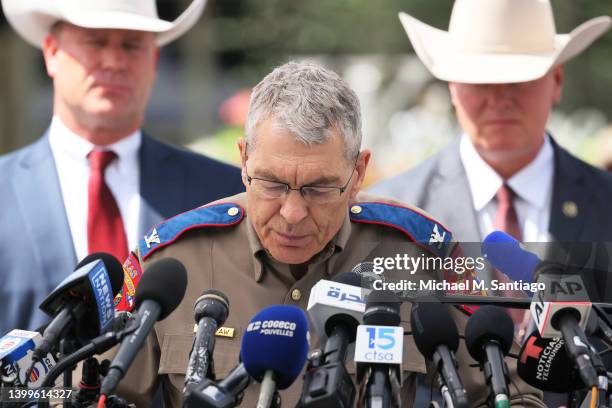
(421, 229)
(166, 232)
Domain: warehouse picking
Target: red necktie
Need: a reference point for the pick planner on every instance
(506, 220)
(105, 232)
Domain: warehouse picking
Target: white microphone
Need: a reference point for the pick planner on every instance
(378, 352)
(562, 310)
(561, 293)
(16, 349)
(329, 298)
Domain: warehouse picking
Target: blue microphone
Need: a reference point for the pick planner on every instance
(274, 349)
(506, 254)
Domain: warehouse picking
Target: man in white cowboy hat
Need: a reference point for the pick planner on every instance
(94, 182)
(503, 61)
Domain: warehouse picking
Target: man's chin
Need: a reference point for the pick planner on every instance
(112, 113)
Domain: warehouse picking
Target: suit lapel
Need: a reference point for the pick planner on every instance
(37, 189)
(450, 198)
(161, 184)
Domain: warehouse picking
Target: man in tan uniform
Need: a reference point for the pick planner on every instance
(300, 220)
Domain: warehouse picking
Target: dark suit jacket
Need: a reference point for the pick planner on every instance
(439, 185)
(36, 249)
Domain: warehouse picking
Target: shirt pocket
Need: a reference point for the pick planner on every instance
(176, 348)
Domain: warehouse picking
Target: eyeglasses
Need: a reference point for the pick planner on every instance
(312, 194)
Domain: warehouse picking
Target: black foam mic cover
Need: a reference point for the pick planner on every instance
(432, 326)
(545, 364)
(382, 309)
(165, 284)
(488, 323)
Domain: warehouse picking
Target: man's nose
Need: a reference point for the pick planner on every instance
(294, 208)
(113, 56)
(501, 92)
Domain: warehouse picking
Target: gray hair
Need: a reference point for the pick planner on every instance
(310, 102)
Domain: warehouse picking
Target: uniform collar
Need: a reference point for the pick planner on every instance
(259, 254)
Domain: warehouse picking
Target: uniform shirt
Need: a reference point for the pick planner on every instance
(232, 260)
(122, 177)
(532, 185)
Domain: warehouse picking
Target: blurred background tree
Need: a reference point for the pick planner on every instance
(202, 89)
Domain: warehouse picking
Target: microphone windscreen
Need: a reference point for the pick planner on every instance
(212, 303)
(365, 271)
(276, 339)
(112, 265)
(505, 254)
(348, 278)
(433, 326)
(164, 282)
(382, 309)
(545, 364)
(488, 323)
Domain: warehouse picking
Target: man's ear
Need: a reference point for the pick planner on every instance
(50, 47)
(242, 148)
(360, 170)
(558, 74)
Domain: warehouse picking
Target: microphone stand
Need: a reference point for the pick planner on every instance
(66, 348)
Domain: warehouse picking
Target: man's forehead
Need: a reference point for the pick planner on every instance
(309, 170)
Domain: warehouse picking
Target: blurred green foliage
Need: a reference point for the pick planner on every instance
(251, 36)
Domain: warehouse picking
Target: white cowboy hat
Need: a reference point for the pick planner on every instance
(32, 19)
(498, 41)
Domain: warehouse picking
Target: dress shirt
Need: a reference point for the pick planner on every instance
(532, 185)
(122, 177)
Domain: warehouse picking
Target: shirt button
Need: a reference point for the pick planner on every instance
(296, 294)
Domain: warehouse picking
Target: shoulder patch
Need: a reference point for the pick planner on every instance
(426, 232)
(166, 232)
(132, 271)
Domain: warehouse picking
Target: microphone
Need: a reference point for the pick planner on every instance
(159, 292)
(328, 298)
(545, 364)
(560, 311)
(225, 394)
(16, 353)
(274, 349)
(326, 381)
(435, 335)
(562, 308)
(123, 326)
(488, 338)
(211, 310)
(505, 253)
(88, 291)
(378, 351)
